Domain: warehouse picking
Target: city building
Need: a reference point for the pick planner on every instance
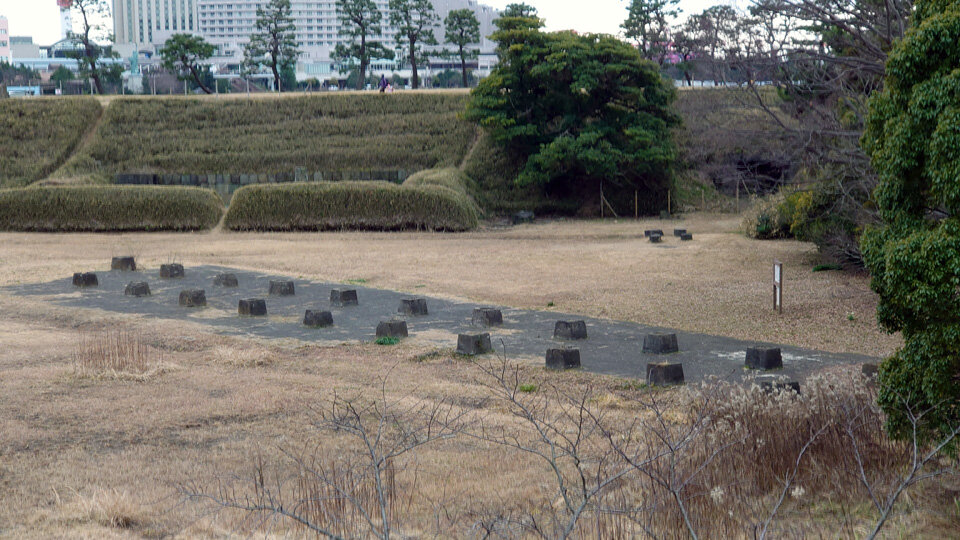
(144, 25)
(24, 47)
(5, 53)
(147, 24)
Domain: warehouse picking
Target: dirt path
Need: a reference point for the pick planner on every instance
(83, 143)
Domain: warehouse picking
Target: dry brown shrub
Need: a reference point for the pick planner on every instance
(112, 508)
(249, 356)
(117, 354)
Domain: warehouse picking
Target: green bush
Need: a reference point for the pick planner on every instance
(109, 208)
(770, 218)
(346, 132)
(913, 138)
(349, 205)
(37, 136)
(493, 170)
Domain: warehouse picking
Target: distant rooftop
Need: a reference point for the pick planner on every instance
(21, 40)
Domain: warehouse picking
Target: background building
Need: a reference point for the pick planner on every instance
(5, 40)
(144, 25)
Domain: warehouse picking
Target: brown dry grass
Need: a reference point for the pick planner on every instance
(103, 457)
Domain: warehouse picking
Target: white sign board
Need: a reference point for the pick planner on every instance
(778, 286)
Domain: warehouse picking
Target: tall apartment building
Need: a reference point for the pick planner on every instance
(229, 23)
(149, 23)
(5, 40)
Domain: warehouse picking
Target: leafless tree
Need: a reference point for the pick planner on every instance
(354, 493)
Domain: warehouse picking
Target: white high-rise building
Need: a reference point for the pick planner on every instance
(66, 23)
(147, 24)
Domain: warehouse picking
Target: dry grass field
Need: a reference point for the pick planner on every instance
(90, 447)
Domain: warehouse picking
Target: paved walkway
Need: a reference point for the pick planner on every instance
(613, 347)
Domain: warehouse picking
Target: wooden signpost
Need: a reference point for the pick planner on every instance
(778, 286)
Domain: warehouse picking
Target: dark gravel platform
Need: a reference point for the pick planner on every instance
(613, 347)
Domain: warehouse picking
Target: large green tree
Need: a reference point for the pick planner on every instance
(274, 41)
(183, 54)
(414, 21)
(581, 111)
(463, 30)
(913, 138)
(360, 20)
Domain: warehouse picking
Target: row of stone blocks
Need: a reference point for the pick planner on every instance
(656, 235)
(299, 175)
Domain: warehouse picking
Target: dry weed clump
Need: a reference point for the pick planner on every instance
(112, 508)
(242, 356)
(117, 354)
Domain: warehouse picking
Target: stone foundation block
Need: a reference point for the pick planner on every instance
(193, 298)
(317, 319)
(570, 330)
(487, 317)
(474, 344)
(343, 297)
(254, 307)
(664, 373)
(281, 288)
(660, 343)
(392, 329)
(764, 358)
(85, 279)
(127, 264)
(137, 288)
(413, 306)
(561, 359)
(171, 270)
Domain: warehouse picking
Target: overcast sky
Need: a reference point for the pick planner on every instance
(40, 18)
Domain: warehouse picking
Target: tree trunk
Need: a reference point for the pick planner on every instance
(95, 74)
(414, 80)
(196, 77)
(463, 68)
(363, 60)
(276, 74)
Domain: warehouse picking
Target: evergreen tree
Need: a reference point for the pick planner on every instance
(913, 138)
(360, 20)
(463, 29)
(274, 42)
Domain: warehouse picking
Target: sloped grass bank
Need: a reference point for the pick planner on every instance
(350, 132)
(38, 135)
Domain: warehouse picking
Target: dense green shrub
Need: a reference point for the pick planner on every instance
(913, 138)
(770, 218)
(37, 136)
(584, 113)
(349, 205)
(494, 170)
(109, 208)
(262, 135)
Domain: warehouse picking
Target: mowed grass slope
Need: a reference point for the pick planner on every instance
(318, 133)
(36, 136)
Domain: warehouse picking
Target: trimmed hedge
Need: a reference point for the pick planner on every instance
(349, 205)
(450, 178)
(37, 136)
(109, 208)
